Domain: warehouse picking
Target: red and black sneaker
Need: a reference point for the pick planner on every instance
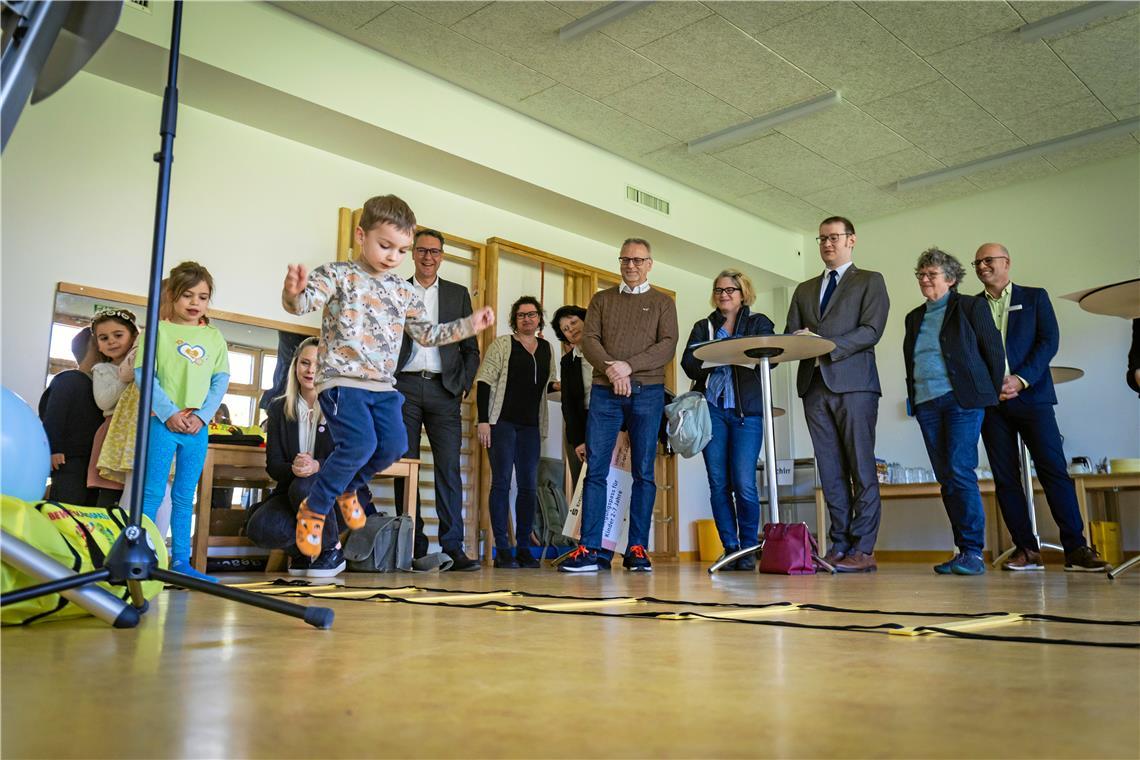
(581, 560)
(636, 560)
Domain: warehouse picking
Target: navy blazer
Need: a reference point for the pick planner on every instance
(458, 361)
(971, 347)
(283, 443)
(1032, 338)
(745, 382)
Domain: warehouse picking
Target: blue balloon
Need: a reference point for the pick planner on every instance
(25, 455)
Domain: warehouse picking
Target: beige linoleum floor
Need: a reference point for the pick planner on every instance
(201, 677)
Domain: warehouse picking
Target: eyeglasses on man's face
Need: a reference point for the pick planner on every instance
(433, 252)
(833, 238)
(629, 261)
(726, 291)
(989, 261)
(927, 276)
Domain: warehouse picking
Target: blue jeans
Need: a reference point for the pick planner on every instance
(640, 413)
(514, 447)
(191, 456)
(951, 435)
(368, 433)
(730, 460)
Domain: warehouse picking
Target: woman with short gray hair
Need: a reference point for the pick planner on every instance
(955, 362)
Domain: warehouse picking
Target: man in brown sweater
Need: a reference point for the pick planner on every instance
(629, 338)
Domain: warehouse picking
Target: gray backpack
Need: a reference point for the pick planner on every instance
(688, 425)
(384, 545)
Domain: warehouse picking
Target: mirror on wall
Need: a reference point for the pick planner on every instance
(255, 345)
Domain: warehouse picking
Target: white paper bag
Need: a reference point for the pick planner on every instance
(615, 526)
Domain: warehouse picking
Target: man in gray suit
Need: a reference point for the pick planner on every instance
(841, 391)
(434, 382)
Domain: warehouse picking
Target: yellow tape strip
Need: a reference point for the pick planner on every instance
(474, 596)
(583, 604)
(971, 624)
(742, 614)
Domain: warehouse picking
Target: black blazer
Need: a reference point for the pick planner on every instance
(573, 399)
(283, 443)
(971, 346)
(459, 361)
(1134, 357)
(745, 382)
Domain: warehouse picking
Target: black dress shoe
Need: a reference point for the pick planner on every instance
(461, 563)
(525, 558)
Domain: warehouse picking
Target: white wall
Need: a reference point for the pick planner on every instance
(1070, 231)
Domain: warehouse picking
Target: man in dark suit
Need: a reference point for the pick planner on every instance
(1029, 328)
(848, 306)
(434, 382)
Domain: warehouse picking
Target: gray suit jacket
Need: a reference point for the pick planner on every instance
(854, 320)
(459, 361)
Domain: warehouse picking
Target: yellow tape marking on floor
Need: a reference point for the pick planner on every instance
(583, 604)
(277, 590)
(971, 624)
(751, 613)
(463, 597)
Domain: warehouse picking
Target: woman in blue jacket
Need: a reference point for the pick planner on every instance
(736, 410)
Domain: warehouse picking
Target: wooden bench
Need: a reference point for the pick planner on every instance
(228, 465)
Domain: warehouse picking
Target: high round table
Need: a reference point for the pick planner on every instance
(763, 351)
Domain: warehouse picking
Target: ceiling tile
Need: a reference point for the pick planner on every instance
(1087, 154)
(928, 27)
(445, 12)
(528, 33)
(938, 118)
(1058, 121)
(1006, 76)
(411, 37)
(338, 15)
(786, 164)
(847, 50)
(594, 122)
(702, 171)
(1022, 171)
(856, 200)
(843, 134)
(743, 72)
(1126, 112)
(654, 21)
(886, 170)
(577, 8)
(1035, 10)
(777, 206)
(676, 107)
(753, 17)
(1009, 142)
(1107, 59)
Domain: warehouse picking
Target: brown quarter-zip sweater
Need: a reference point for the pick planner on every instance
(637, 328)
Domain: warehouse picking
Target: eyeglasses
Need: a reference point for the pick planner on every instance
(931, 276)
(433, 252)
(832, 238)
(527, 315)
(989, 261)
(726, 291)
(628, 261)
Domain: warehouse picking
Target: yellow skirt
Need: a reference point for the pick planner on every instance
(117, 458)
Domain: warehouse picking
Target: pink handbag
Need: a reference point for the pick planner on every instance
(789, 549)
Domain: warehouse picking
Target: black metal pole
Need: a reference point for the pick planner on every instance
(165, 159)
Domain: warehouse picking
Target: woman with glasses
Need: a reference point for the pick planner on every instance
(511, 399)
(736, 409)
(954, 368)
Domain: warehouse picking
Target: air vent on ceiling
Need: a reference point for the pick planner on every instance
(659, 205)
(141, 5)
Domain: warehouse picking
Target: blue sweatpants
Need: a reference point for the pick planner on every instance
(191, 456)
(368, 435)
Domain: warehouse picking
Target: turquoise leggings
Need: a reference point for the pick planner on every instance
(191, 452)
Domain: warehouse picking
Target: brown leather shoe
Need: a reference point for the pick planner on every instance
(857, 562)
(833, 557)
(1023, 559)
